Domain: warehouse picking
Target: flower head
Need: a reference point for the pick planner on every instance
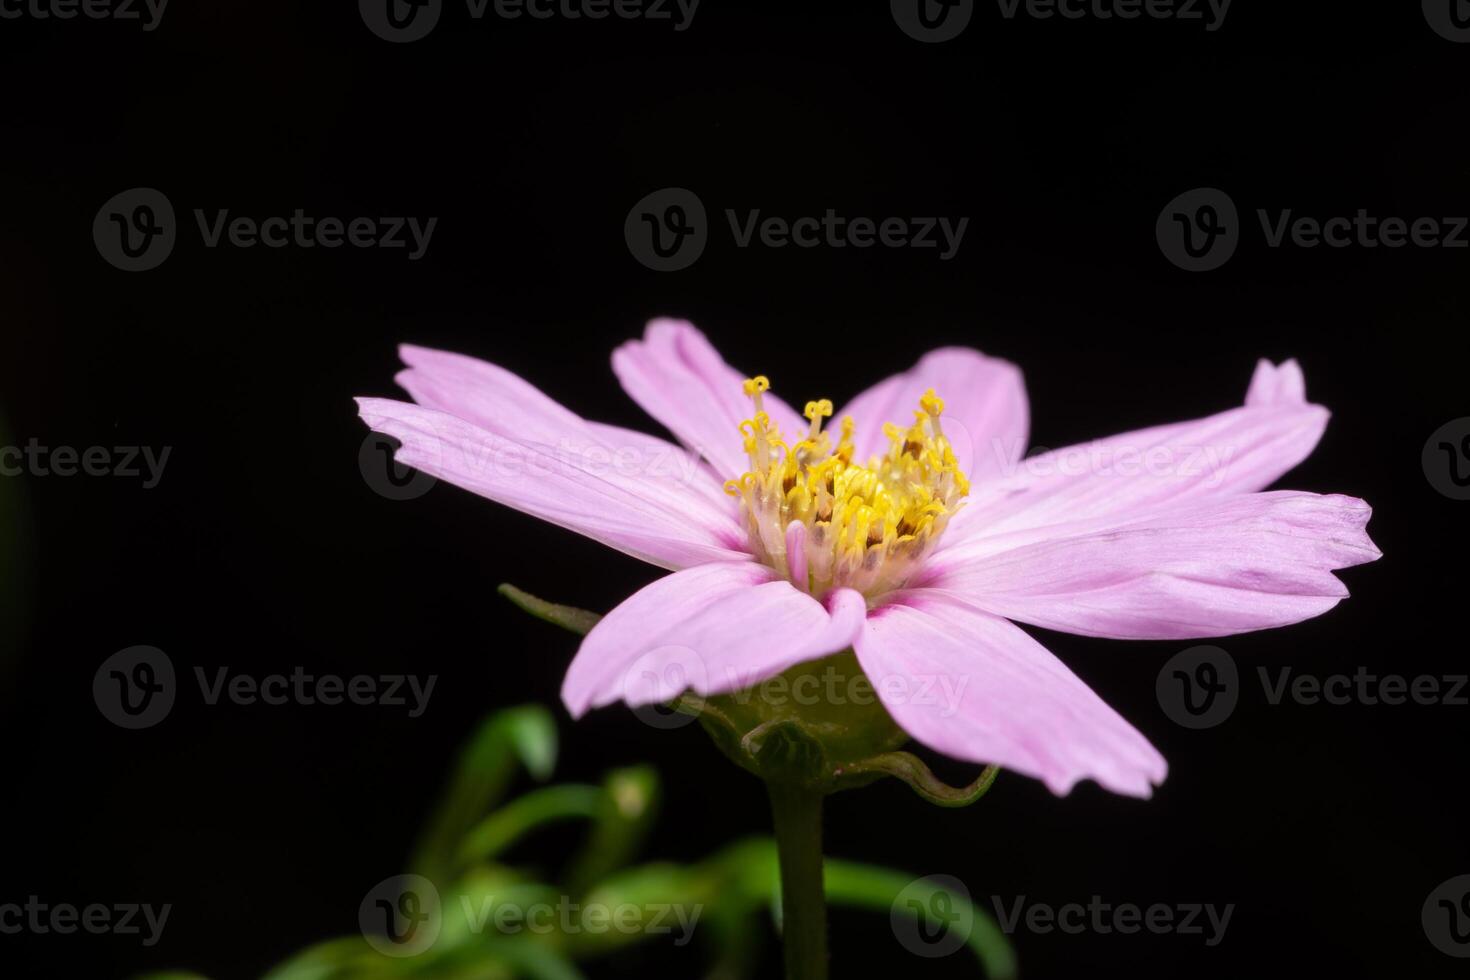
(914, 533)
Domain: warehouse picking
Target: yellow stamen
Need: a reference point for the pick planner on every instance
(932, 405)
(816, 411)
(868, 524)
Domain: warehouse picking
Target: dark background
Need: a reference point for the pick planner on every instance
(263, 547)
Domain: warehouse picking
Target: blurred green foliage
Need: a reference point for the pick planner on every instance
(464, 849)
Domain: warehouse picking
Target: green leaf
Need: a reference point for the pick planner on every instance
(578, 621)
(625, 814)
(333, 959)
(866, 886)
(491, 836)
(524, 735)
(751, 871)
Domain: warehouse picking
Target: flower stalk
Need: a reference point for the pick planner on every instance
(797, 813)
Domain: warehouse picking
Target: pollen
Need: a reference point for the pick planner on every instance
(862, 525)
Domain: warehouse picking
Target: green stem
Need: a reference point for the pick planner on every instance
(798, 817)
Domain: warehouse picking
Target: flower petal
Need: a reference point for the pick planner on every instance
(973, 686)
(986, 414)
(681, 380)
(504, 403)
(644, 514)
(1237, 451)
(1204, 568)
(1277, 384)
(711, 629)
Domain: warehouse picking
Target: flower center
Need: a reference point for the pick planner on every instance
(826, 521)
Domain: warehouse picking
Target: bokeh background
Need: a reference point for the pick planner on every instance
(264, 548)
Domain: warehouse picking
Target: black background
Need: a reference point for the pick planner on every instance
(263, 548)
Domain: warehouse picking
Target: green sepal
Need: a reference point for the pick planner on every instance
(911, 769)
(578, 621)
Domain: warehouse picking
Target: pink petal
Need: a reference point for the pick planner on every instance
(486, 394)
(796, 561)
(986, 414)
(649, 517)
(1277, 384)
(1204, 568)
(975, 687)
(680, 379)
(502, 402)
(711, 629)
(1238, 451)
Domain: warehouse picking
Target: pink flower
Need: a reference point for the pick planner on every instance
(915, 534)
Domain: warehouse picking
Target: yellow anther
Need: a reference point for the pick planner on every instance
(932, 405)
(868, 522)
(814, 410)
